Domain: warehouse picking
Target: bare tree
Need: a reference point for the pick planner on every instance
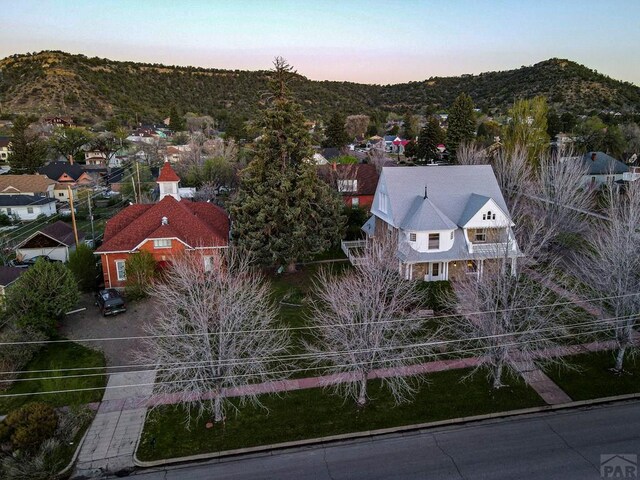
(378, 156)
(356, 125)
(367, 320)
(471, 153)
(612, 265)
(216, 322)
(503, 318)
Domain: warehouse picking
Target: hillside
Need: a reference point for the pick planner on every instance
(92, 89)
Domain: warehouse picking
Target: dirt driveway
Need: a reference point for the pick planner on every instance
(91, 324)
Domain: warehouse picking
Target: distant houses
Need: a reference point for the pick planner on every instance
(356, 183)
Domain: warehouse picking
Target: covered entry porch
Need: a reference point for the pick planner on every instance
(448, 270)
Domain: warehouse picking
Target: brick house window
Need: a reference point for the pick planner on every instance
(121, 270)
(162, 243)
(434, 241)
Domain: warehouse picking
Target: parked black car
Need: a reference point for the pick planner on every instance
(29, 262)
(110, 302)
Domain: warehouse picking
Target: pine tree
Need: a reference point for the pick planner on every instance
(462, 122)
(335, 133)
(431, 135)
(176, 122)
(28, 152)
(283, 213)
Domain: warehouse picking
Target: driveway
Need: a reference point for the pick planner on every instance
(91, 324)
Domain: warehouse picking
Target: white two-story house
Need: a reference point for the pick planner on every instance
(449, 221)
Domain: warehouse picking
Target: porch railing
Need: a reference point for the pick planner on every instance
(352, 248)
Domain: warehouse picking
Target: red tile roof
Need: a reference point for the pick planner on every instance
(167, 174)
(198, 224)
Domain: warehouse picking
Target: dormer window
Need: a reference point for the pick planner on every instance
(434, 241)
(412, 237)
(162, 243)
(382, 202)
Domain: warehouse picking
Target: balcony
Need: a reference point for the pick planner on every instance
(353, 250)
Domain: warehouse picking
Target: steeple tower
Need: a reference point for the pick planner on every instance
(168, 182)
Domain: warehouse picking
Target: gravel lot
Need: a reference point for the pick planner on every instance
(91, 324)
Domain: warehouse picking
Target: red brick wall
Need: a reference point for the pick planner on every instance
(162, 255)
(365, 201)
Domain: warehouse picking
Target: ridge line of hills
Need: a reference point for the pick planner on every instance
(94, 89)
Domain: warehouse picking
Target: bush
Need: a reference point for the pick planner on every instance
(5, 220)
(141, 269)
(13, 358)
(82, 262)
(41, 296)
(437, 295)
(30, 425)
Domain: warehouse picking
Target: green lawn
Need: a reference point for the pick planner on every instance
(317, 413)
(57, 357)
(592, 377)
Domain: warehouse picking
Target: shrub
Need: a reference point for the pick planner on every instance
(30, 425)
(437, 295)
(41, 296)
(141, 270)
(13, 358)
(82, 262)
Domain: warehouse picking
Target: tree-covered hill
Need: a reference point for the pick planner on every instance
(93, 89)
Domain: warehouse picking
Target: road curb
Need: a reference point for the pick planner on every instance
(276, 448)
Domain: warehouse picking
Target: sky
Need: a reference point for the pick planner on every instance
(371, 41)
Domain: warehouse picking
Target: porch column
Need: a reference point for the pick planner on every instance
(513, 266)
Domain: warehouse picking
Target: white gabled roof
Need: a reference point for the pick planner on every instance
(452, 192)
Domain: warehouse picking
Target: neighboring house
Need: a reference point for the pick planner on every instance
(67, 173)
(602, 169)
(8, 275)
(356, 183)
(27, 207)
(448, 220)
(96, 158)
(164, 229)
(394, 144)
(61, 192)
(175, 153)
(56, 241)
(35, 185)
(5, 149)
(59, 121)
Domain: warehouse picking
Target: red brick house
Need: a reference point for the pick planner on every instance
(356, 183)
(164, 229)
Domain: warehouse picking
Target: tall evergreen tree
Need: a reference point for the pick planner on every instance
(431, 135)
(462, 122)
(28, 152)
(335, 133)
(176, 121)
(283, 213)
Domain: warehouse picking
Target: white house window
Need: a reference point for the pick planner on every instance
(29, 209)
(434, 241)
(61, 194)
(489, 215)
(480, 235)
(8, 211)
(451, 237)
(347, 185)
(412, 237)
(162, 243)
(120, 269)
(435, 269)
(355, 202)
(208, 264)
(382, 202)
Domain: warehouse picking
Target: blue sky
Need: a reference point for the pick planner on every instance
(364, 41)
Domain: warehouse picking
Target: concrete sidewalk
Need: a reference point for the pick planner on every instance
(111, 439)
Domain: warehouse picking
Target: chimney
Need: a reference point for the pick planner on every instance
(593, 156)
(425, 192)
(165, 221)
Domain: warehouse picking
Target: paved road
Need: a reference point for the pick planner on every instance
(562, 445)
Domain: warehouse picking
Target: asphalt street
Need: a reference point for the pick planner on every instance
(563, 445)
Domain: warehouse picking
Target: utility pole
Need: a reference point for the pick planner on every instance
(135, 192)
(93, 235)
(73, 214)
(139, 189)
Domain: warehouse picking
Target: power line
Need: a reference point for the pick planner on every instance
(312, 356)
(311, 327)
(353, 364)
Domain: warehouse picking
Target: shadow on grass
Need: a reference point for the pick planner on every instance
(314, 413)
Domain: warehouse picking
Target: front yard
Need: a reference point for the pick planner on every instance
(314, 413)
